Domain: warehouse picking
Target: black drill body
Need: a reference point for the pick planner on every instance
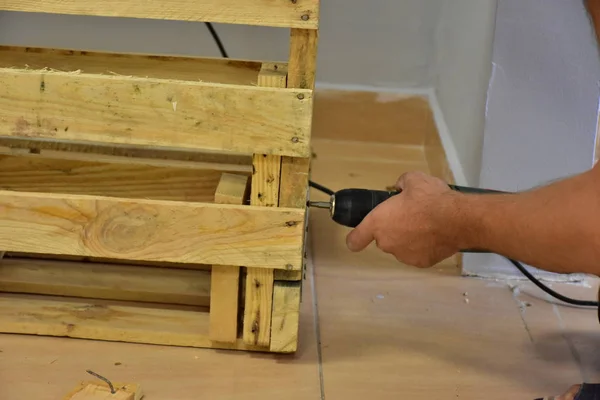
(348, 207)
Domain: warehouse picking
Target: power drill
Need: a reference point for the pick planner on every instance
(348, 207)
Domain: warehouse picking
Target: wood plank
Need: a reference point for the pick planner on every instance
(293, 193)
(264, 192)
(99, 390)
(265, 180)
(68, 150)
(303, 58)
(225, 280)
(26, 314)
(285, 317)
(105, 281)
(55, 175)
(151, 230)
(125, 110)
(284, 14)
(257, 312)
(181, 68)
(103, 260)
(294, 182)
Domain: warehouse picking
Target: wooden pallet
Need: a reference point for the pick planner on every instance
(157, 199)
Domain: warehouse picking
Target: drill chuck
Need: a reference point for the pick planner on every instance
(350, 206)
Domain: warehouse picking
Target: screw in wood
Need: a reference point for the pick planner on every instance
(112, 388)
(295, 139)
(305, 17)
(300, 96)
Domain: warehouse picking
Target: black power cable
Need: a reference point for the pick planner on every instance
(517, 264)
(217, 39)
(321, 188)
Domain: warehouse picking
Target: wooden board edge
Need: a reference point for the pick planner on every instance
(285, 225)
(257, 13)
(286, 135)
(285, 320)
(14, 319)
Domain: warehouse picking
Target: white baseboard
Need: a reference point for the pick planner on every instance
(343, 87)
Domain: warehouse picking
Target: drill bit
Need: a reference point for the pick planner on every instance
(320, 204)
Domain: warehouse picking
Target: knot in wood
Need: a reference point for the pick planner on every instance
(122, 229)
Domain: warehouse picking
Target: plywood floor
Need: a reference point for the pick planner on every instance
(371, 328)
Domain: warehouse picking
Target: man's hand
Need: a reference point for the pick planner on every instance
(418, 226)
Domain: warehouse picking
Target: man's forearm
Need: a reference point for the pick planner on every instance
(593, 8)
(556, 227)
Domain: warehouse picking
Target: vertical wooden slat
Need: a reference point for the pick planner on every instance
(303, 58)
(257, 312)
(224, 286)
(293, 192)
(266, 179)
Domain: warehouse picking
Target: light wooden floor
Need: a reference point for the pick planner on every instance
(370, 328)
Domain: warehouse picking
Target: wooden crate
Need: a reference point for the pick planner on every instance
(157, 199)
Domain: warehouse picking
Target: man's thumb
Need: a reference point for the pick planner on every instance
(360, 237)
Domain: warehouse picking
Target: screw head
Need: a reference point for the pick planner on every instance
(305, 17)
(300, 96)
(289, 266)
(295, 139)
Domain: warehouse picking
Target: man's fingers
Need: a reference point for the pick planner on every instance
(361, 236)
(408, 178)
(401, 182)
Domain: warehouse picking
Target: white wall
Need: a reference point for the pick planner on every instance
(381, 43)
(463, 65)
(542, 105)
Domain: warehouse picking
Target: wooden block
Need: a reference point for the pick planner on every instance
(257, 313)
(273, 75)
(284, 14)
(151, 230)
(162, 113)
(105, 281)
(232, 189)
(47, 316)
(101, 391)
(286, 317)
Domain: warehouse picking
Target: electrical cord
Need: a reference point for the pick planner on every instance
(518, 265)
(217, 39)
